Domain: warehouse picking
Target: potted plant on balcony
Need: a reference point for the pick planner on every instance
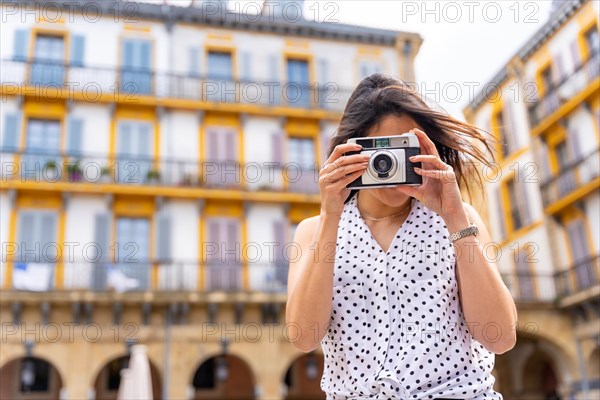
(186, 180)
(106, 175)
(75, 172)
(51, 170)
(153, 176)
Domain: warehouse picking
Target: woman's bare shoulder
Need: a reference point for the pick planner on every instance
(306, 228)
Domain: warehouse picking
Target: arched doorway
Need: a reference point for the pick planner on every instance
(303, 378)
(109, 378)
(223, 377)
(29, 378)
(535, 369)
(594, 373)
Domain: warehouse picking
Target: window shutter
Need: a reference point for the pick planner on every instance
(101, 237)
(145, 54)
(573, 143)
(545, 171)
(77, 50)
(523, 203)
(560, 67)
(280, 241)
(277, 148)
(511, 134)
(501, 218)
(75, 143)
(26, 235)
(576, 53)
(194, 61)
(21, 45)
(163, 236)
(274, 76)
(213, 239)
(212, 144)
(47, 234)
(11, 132)
(578, 241)
(246, 66)
(233, 239)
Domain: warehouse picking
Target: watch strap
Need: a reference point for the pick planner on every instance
(471, 230)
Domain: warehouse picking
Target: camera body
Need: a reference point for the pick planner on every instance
(388, 163)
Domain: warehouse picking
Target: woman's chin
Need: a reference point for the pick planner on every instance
(391, 197)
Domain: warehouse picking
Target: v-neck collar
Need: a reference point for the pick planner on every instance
(398, 233)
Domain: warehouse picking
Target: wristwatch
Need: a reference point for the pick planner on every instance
(471, 230)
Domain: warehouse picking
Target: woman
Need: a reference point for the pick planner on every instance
(400, 310)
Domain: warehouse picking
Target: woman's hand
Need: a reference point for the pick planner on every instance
(439, 191)
(337, 172)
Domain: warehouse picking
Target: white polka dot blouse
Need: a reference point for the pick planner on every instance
(397, 330)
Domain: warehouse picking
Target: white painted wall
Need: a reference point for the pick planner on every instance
(258, 150)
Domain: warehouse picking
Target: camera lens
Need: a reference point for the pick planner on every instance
(382, 164)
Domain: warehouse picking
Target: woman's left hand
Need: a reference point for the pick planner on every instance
(439, 191)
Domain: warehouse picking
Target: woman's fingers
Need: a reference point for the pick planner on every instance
(341, 172)
(431, 159)
(425, 143)
(443, 175)
(340, 150)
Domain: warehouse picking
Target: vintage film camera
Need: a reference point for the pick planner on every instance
(388, 163)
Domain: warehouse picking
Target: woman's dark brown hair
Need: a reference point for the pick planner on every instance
(458, 143)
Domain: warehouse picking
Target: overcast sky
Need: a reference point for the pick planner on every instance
(465, 42)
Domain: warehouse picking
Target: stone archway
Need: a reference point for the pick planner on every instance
(534, 370)
(303, 378)
(29, 378)
(223, 377)
(108, 379)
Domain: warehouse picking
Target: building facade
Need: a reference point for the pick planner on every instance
(543, 199)
(155, 161)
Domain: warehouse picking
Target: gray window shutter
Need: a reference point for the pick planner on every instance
(573, 143)
(12, 130)
(500, 210)
(21, 45)
(279, 233)
(26, 236)
(75, 142)
(578, 241)
(194, 61)
(545, 171)
(213, 238)
(77, 50)
(560, 67)
(274, 76)
(511, 136)
(47, 234)
(277, 148)
(246, 66)
(575, 52)
(325, 140)
(523, 203)
(102, 237)
(163, 236)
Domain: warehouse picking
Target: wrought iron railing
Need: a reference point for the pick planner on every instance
(575, 175)
(583, 275)
(44, 166)
(564, 90)
(263, 277)
(125, 84)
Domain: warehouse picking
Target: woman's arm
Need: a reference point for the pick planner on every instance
(487, 304)
(310, 282)
(310, 279)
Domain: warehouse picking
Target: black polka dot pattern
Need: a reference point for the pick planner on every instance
(397, 330)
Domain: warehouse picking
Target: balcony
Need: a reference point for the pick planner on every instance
(575, 180)
(137, 174)
(530, 288)
(579, 278)
(561, 93)
(134, 86)
(151, 275)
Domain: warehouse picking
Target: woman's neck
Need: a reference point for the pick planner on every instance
(372, 207)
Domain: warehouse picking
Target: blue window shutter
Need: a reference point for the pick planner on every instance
(145, 54)
(77, 50)
(194, 61)
(12, 128)
(163, 237)
(102, 236)
(274, 67)
(246, 66)
(21, 44)
(75, 143)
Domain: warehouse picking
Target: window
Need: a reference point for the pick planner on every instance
(42, 146)
(502, 135)
(223, 253)
(523, 260)
(518, 206)
(136, 74)
(368, 68)
(563, 159)
(132, 270)
(301, 172)
(592, 39)
(47, 68)
(580, 253)
(566, 178)
(298, 89)
(134, 152)
(547, 79)
(220, 74)
(221, 154)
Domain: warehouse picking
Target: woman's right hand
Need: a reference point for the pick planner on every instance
(337, 172)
